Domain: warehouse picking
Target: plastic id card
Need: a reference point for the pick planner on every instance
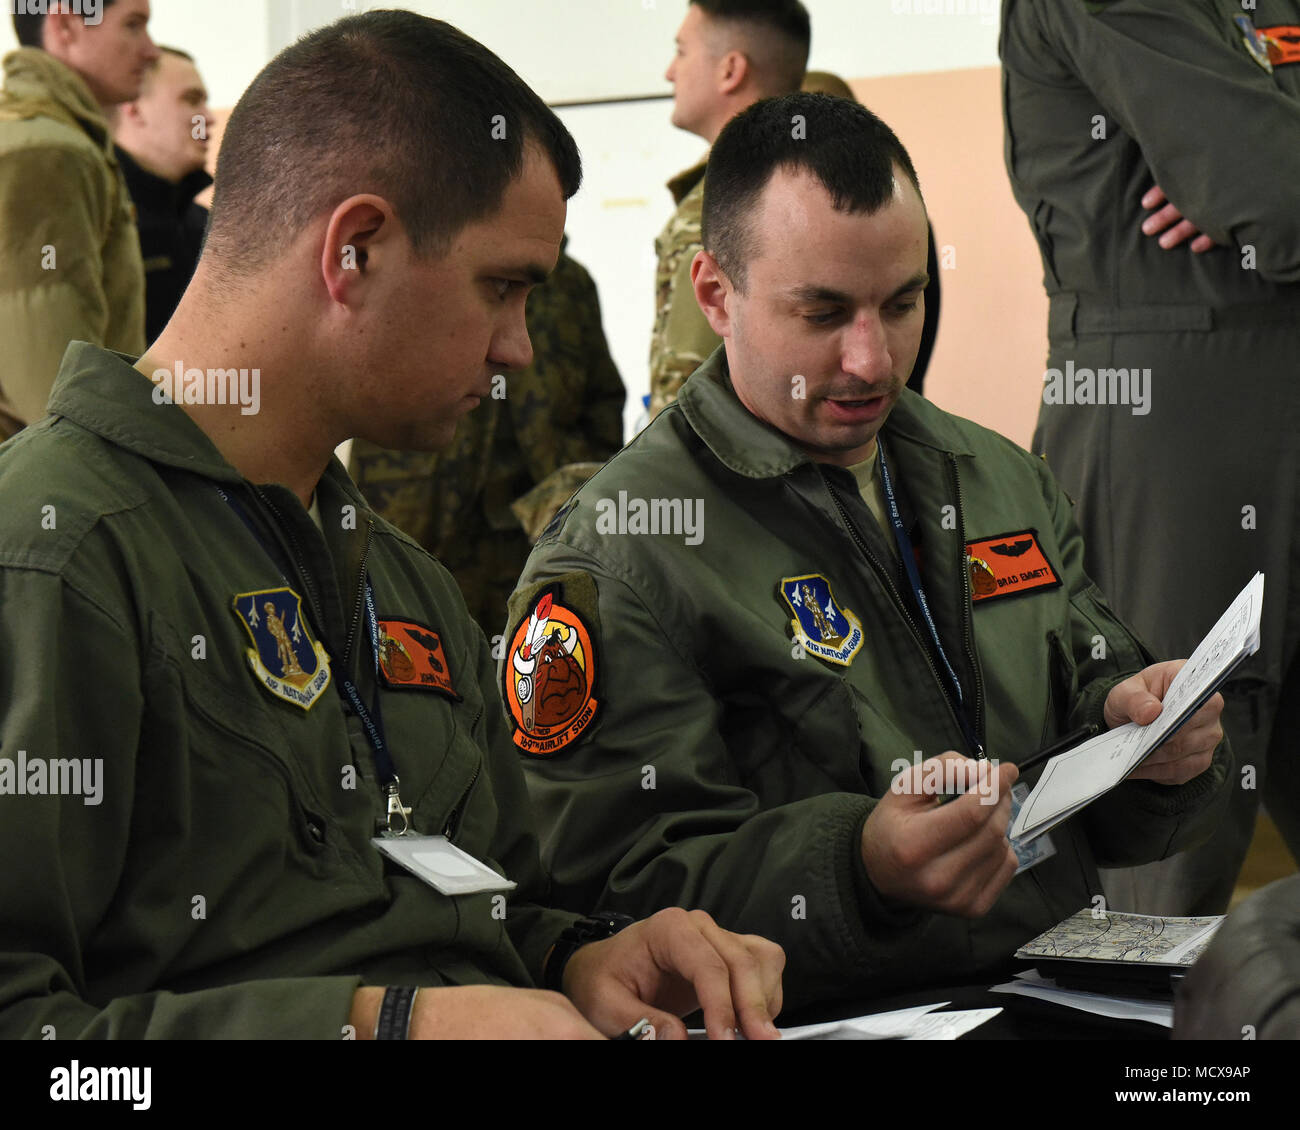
(442, 864)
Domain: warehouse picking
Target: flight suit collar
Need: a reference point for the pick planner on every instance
(749, 447)
(104, 393)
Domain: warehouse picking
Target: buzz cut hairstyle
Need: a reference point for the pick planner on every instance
(849, 150)
(30, 26)
(386, 102)
(787, 18)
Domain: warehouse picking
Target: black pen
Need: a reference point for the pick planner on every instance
(1073, 738)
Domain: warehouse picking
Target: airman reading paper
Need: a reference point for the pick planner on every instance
(1074, 779)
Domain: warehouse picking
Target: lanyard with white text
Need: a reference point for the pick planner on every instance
(918, 593)
(398, 822)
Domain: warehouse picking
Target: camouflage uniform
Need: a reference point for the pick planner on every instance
(682, 336)
(566, 408)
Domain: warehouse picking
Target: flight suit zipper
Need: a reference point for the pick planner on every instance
(297, 558)
(361, 595)
(865, 550)
(458, 812)
(968, 632)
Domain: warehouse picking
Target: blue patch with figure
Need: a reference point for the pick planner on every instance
(820, 625)
(284, 658)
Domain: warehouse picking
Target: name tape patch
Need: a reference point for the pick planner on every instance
(1008, 565)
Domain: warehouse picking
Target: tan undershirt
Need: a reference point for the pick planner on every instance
(867, 476)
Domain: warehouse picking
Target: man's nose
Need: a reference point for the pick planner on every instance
(866, 349)
(511, 347)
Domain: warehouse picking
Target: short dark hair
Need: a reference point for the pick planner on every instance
(175, 51)
(388, 102)
(788, 18)
(30, 26)
(844, 145)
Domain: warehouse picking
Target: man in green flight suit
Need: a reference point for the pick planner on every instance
(720, 665)
(531, 443)
(1169, 404)
(221, 675)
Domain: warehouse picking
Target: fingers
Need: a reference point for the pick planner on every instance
(732, 980)
(1154, 197)
(1179, 233)
(1133, 700)
(1202, 243)
(755, 964)
(1159, 221)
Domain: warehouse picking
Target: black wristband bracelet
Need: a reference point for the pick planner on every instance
(601, 925)
(394, 1021)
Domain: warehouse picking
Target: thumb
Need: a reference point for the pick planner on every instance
(919, 785)
(1132, 701)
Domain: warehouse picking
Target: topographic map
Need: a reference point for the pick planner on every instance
(1113, 936)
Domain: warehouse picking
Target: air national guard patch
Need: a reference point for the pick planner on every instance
(820, 625)
(549, 676)
(1254, 41)
(284, 657)
(411, 658)
(1008, 565)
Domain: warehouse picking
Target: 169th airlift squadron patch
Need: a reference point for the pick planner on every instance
(820, 625)
(549, 675)
(284, 657)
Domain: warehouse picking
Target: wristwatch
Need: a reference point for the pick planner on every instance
(594, 928)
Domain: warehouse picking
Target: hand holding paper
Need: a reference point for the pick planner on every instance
(1189, 752)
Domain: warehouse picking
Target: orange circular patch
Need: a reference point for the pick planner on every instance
(549, 675)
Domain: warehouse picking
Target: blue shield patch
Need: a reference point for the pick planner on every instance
(284, 657)
(820, 625)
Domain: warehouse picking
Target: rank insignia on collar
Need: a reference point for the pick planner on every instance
(284, 657)
(820, 625)
(1255, 43)
(1008, 565)
(549, 677)
(411, 658)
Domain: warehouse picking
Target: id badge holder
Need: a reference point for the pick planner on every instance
(1040, 847)
(441, 864)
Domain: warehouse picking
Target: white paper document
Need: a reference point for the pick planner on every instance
(1076, 778)
(919, 1023)
(1029, 983)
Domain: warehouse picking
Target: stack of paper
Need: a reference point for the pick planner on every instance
(1074, 779)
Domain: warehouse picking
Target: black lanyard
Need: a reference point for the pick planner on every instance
(373, 719)
(918, 593)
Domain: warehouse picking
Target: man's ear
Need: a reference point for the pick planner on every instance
(61, 31)
(712, 289)
(361, 230)
(733, 68)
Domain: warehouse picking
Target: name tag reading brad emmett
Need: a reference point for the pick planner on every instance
(442, 864)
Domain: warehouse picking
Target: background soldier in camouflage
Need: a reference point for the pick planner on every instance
(730, 53)
(563, 412)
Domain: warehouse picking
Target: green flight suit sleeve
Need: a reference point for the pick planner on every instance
(1140, 821)
(71, 690)
(533, 927)
(1216, 130)
(648, 809)
(54, 215)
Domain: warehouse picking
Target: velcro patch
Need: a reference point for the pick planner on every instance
(549, 673)
(1282, 43)
(1008, 565)
(411, 657)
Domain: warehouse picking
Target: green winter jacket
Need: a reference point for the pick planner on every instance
(727, 768)
(70, 265)
(224, 885)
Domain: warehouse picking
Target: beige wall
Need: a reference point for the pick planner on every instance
(992, 346)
